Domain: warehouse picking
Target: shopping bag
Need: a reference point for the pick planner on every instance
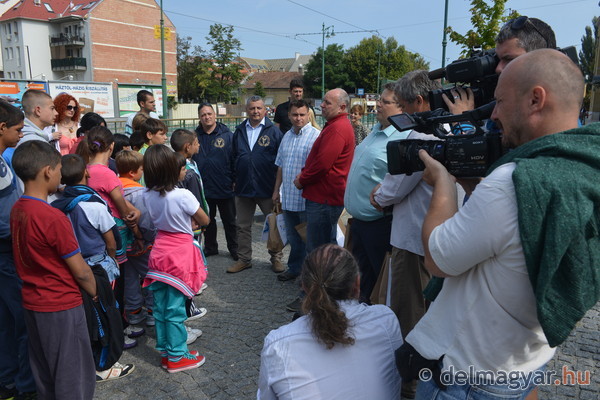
(275, 226)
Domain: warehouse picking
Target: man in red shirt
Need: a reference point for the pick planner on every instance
(323, 178)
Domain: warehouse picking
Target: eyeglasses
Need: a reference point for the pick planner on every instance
(518, 23)
(72, 108)
(386, 102)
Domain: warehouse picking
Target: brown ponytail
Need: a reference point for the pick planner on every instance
(328, 275)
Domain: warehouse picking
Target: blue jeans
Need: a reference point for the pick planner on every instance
(297, 246)
(321, 224)
(428, 390)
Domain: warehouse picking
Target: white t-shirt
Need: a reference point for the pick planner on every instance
(172, 212)
(295, 366)
(130, 117)
(485, 315)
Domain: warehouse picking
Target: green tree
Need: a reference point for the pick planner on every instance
(193, 72)
(226, 73)
(487, 19)
(587, 56)
(259, 89)
(587, 53)
(373, 57)
(336, 75)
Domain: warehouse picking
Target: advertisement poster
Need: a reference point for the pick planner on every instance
(12, 91)
(128, 98)
(92, 97)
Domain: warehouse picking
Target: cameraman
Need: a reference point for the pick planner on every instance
(517, 37)
(509, 251)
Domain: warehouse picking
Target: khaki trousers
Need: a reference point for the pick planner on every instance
(245, 208)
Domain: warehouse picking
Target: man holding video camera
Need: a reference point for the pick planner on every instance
(517, 37)
(521, 258)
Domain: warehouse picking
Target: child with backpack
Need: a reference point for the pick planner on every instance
(95, 231)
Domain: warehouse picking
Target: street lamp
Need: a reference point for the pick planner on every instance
(326, 32)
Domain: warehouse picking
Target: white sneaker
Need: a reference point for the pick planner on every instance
(191, 338)
(129, 343)
(134, 331)
(193, 331)
(202, 288)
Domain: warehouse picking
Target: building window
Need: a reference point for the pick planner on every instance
(18, 56)
(48, 7)
(20, 75)
(8, 28)
(89, 5)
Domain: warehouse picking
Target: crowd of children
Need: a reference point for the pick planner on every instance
(133, 206)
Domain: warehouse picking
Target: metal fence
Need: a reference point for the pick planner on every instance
(117, 125)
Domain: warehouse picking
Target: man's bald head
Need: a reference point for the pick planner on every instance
(552, 70)
(335, 102)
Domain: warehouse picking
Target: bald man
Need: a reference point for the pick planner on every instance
(323, 178)
(516, 254)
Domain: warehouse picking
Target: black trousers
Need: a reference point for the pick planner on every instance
(227, 212)
(370, 242)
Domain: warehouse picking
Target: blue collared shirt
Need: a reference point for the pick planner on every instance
(291, 156)
(253, 133)
(368, 169)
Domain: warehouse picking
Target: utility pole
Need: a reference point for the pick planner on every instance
(444, 41)
(326, 32)
(165, 107)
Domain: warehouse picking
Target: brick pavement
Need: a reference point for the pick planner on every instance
(244, 307)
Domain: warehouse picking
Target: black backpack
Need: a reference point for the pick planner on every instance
(104, 322)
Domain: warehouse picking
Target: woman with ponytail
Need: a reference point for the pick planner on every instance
(340, 349)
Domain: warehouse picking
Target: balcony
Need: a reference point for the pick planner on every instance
(69, 64)
(63, 39)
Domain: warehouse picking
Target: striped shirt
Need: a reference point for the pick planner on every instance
(292, 154)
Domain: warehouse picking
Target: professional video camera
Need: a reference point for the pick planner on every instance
(468, 155)
(477, 71)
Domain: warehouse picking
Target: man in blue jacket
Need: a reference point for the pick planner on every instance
(255, 145)
(215, 163)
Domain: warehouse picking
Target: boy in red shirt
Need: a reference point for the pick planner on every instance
(49, 262)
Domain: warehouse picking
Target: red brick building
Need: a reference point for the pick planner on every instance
(101, 41)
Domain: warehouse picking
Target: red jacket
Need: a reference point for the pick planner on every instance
(325, 172)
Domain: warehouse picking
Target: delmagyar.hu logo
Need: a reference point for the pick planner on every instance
(512, 379)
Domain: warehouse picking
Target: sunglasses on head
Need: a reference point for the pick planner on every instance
(518, 23)
(72, 108)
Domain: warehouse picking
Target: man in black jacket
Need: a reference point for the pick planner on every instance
(255, 145)
(215, 163)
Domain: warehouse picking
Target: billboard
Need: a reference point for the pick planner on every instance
(128, 98)
(12, 91)
(92, 97)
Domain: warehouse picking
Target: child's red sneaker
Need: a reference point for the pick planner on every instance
(186, 362)
(163, 360)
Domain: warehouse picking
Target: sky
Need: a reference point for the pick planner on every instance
(280, 28)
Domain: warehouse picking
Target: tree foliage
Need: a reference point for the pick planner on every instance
(226, 74)
(209, 75)
(487, 19)
(372, 56)
(336, 75)
(259, 89)
(587, 53)
(193, 73)
(587, 58)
